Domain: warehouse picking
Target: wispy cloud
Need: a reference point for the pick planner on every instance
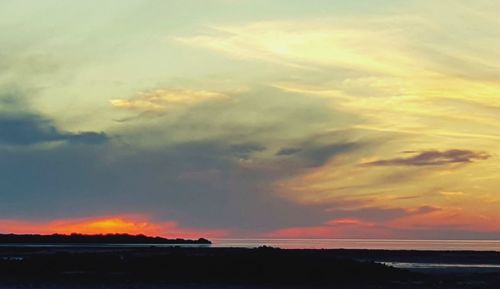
(433, 158)
(162, 100)
(314, 44)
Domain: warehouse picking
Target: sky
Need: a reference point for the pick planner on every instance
(251, 118)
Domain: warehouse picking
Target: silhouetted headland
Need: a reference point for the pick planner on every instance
(95, 239)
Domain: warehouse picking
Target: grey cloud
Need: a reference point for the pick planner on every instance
(288, 151)
(78, 181)
(263, 115)
(425, 210)
(31, 129)
(244, 151)
(318, 155)
(317, 149)
(434, 158)
(87, 137)
(75, 180)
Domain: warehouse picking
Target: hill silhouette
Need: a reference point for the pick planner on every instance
(93, 239)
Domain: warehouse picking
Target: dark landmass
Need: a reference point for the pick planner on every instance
(93, 239)
(265, 267)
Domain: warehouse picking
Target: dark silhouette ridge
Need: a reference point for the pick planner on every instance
(94, 239)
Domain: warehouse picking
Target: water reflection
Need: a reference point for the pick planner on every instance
(472, 245)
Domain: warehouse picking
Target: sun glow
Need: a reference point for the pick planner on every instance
(129, 224)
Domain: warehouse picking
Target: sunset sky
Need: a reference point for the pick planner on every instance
(251, 118)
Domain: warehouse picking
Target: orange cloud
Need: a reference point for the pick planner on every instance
(161, 100)
(450, 217)
(129, 224)
(337, 228)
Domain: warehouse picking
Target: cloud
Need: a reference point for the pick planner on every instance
(318, 155)
(31, 129)
(433, 158)
(254, 116)
(318, 149)
(87, 137)
(214, 156)
(452, 194)
(358, 223)
(185, 166)
(82, 181)
(381, 67)
(288, 151)
(336, 42)
(375, 214)
(243, 151)
(162, 100)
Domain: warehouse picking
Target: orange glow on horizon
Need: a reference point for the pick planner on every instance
(128, 224)
(338, 228)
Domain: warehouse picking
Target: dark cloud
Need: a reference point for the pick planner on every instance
(288, 151)
(244, 151)
(87, 137)
(425, 209)
(31, 129)
(191, 173)
(434, 158)
(317, 154)
(318, 149)
(320, 154)
(78, 181)
(262, 115)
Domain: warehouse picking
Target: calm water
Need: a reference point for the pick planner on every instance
(474, 245)
(407, 265)
(444, 245)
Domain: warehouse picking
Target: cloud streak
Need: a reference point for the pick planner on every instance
(434, 158)
(162, 100)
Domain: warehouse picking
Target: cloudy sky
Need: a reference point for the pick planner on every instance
(251, 118)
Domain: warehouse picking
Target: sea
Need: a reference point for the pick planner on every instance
(373, 244)
(370, 244)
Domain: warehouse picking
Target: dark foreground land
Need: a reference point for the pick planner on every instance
(225, 268)
(95, 239)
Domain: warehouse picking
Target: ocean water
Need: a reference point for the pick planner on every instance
(437, 266)
(432, 245)
(452, 245)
